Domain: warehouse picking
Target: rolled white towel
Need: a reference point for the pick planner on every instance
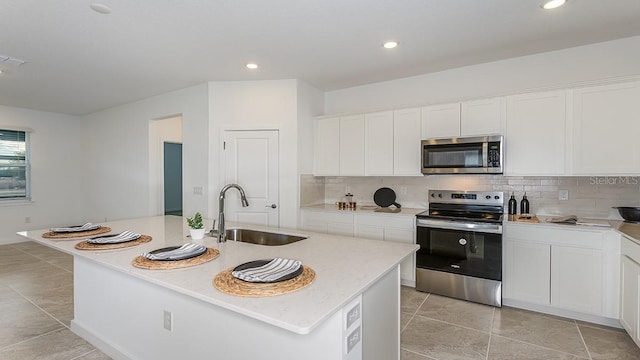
(78, 228)
(271, 271)
(185, 251)
(124, 236)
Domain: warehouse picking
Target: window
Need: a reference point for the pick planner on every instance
(14, 165)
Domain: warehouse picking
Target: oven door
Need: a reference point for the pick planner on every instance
(472, 249)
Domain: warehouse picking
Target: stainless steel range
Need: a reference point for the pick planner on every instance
(460, 239)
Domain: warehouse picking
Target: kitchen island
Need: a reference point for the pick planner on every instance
(350, 311)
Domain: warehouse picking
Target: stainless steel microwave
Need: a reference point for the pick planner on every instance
(463, 155)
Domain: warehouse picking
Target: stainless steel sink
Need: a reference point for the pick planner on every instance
(261, 237)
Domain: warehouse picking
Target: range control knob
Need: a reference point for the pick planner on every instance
(440, 195)
(497, 197)
(488, 197)
(462, 241)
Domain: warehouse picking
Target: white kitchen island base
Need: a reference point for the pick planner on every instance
(124, 316)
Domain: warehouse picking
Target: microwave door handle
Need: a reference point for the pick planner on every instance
(485, 154)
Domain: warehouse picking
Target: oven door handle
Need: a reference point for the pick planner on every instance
(451, 225)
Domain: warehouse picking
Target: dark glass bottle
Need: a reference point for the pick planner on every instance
(513, 207)
(524, 205)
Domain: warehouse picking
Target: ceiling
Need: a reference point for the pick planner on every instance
(79, 61)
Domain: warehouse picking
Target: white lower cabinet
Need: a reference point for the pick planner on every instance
(338, 223)
(568, 272)
(630, 289)
(386, 227)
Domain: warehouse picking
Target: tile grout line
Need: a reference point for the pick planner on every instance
(40, 308)
(414, 313)
(539, 346)
(85, 354)
(31, 338)
(583, 342)
(493, 319)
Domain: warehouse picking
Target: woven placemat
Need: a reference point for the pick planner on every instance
(226, 283)
(68, 235)
(144, 263)
(84, 245)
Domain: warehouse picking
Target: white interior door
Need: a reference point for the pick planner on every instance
(251, 161)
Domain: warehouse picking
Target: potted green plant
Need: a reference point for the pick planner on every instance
(196, 227)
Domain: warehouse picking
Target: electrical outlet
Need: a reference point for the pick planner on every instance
(197, 190)
(563, 194)
(168, 320)
(403, 190)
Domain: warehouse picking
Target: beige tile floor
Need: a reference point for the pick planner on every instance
(440, 328)
(36, 307)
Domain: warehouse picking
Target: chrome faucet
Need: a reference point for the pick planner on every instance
(220, 233)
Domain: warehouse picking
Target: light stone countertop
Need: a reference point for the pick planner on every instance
(362, 210)
(630, 230)
(344, 266)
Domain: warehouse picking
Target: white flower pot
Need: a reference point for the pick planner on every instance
(196, 234)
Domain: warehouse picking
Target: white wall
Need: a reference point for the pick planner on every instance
(310, 105)
(116, 142)
(161, 131)
(56, 173)
(257, 105)
(613, 59)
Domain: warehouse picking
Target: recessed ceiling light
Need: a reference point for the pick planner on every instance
(390, 44)
(251, 66)
(552, 4)
(100, 8)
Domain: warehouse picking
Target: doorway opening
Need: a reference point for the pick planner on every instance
(165, 166)
(172, 178)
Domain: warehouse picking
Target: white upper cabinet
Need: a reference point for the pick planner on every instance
(379, 143)
(441, 121)
(352, 140)
(469, 118)
(327, 146)
(406, 142)
(483, 117)
(536, 136)
(605, 130)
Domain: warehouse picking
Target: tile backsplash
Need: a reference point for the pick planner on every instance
(589, 196)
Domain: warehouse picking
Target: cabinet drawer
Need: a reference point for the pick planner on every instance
(582, 238)
(346, 218)
(386, 220)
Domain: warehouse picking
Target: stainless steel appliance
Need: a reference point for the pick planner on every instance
(466, 155)
(460, 239)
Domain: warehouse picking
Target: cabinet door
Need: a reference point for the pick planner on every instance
(606, 129)
(482, 117)
(379, 143)
(630, 297)
(535, 139)
(407, 267)
(526, 272)
(370, 232)
(352, 145)
(340, 229)
(407, 126)
(441, 121)
(576, 279)
(327, 147)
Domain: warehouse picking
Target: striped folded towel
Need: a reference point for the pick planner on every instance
(271, 271)
(114, 238)
(185, 251)
(77, 228)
